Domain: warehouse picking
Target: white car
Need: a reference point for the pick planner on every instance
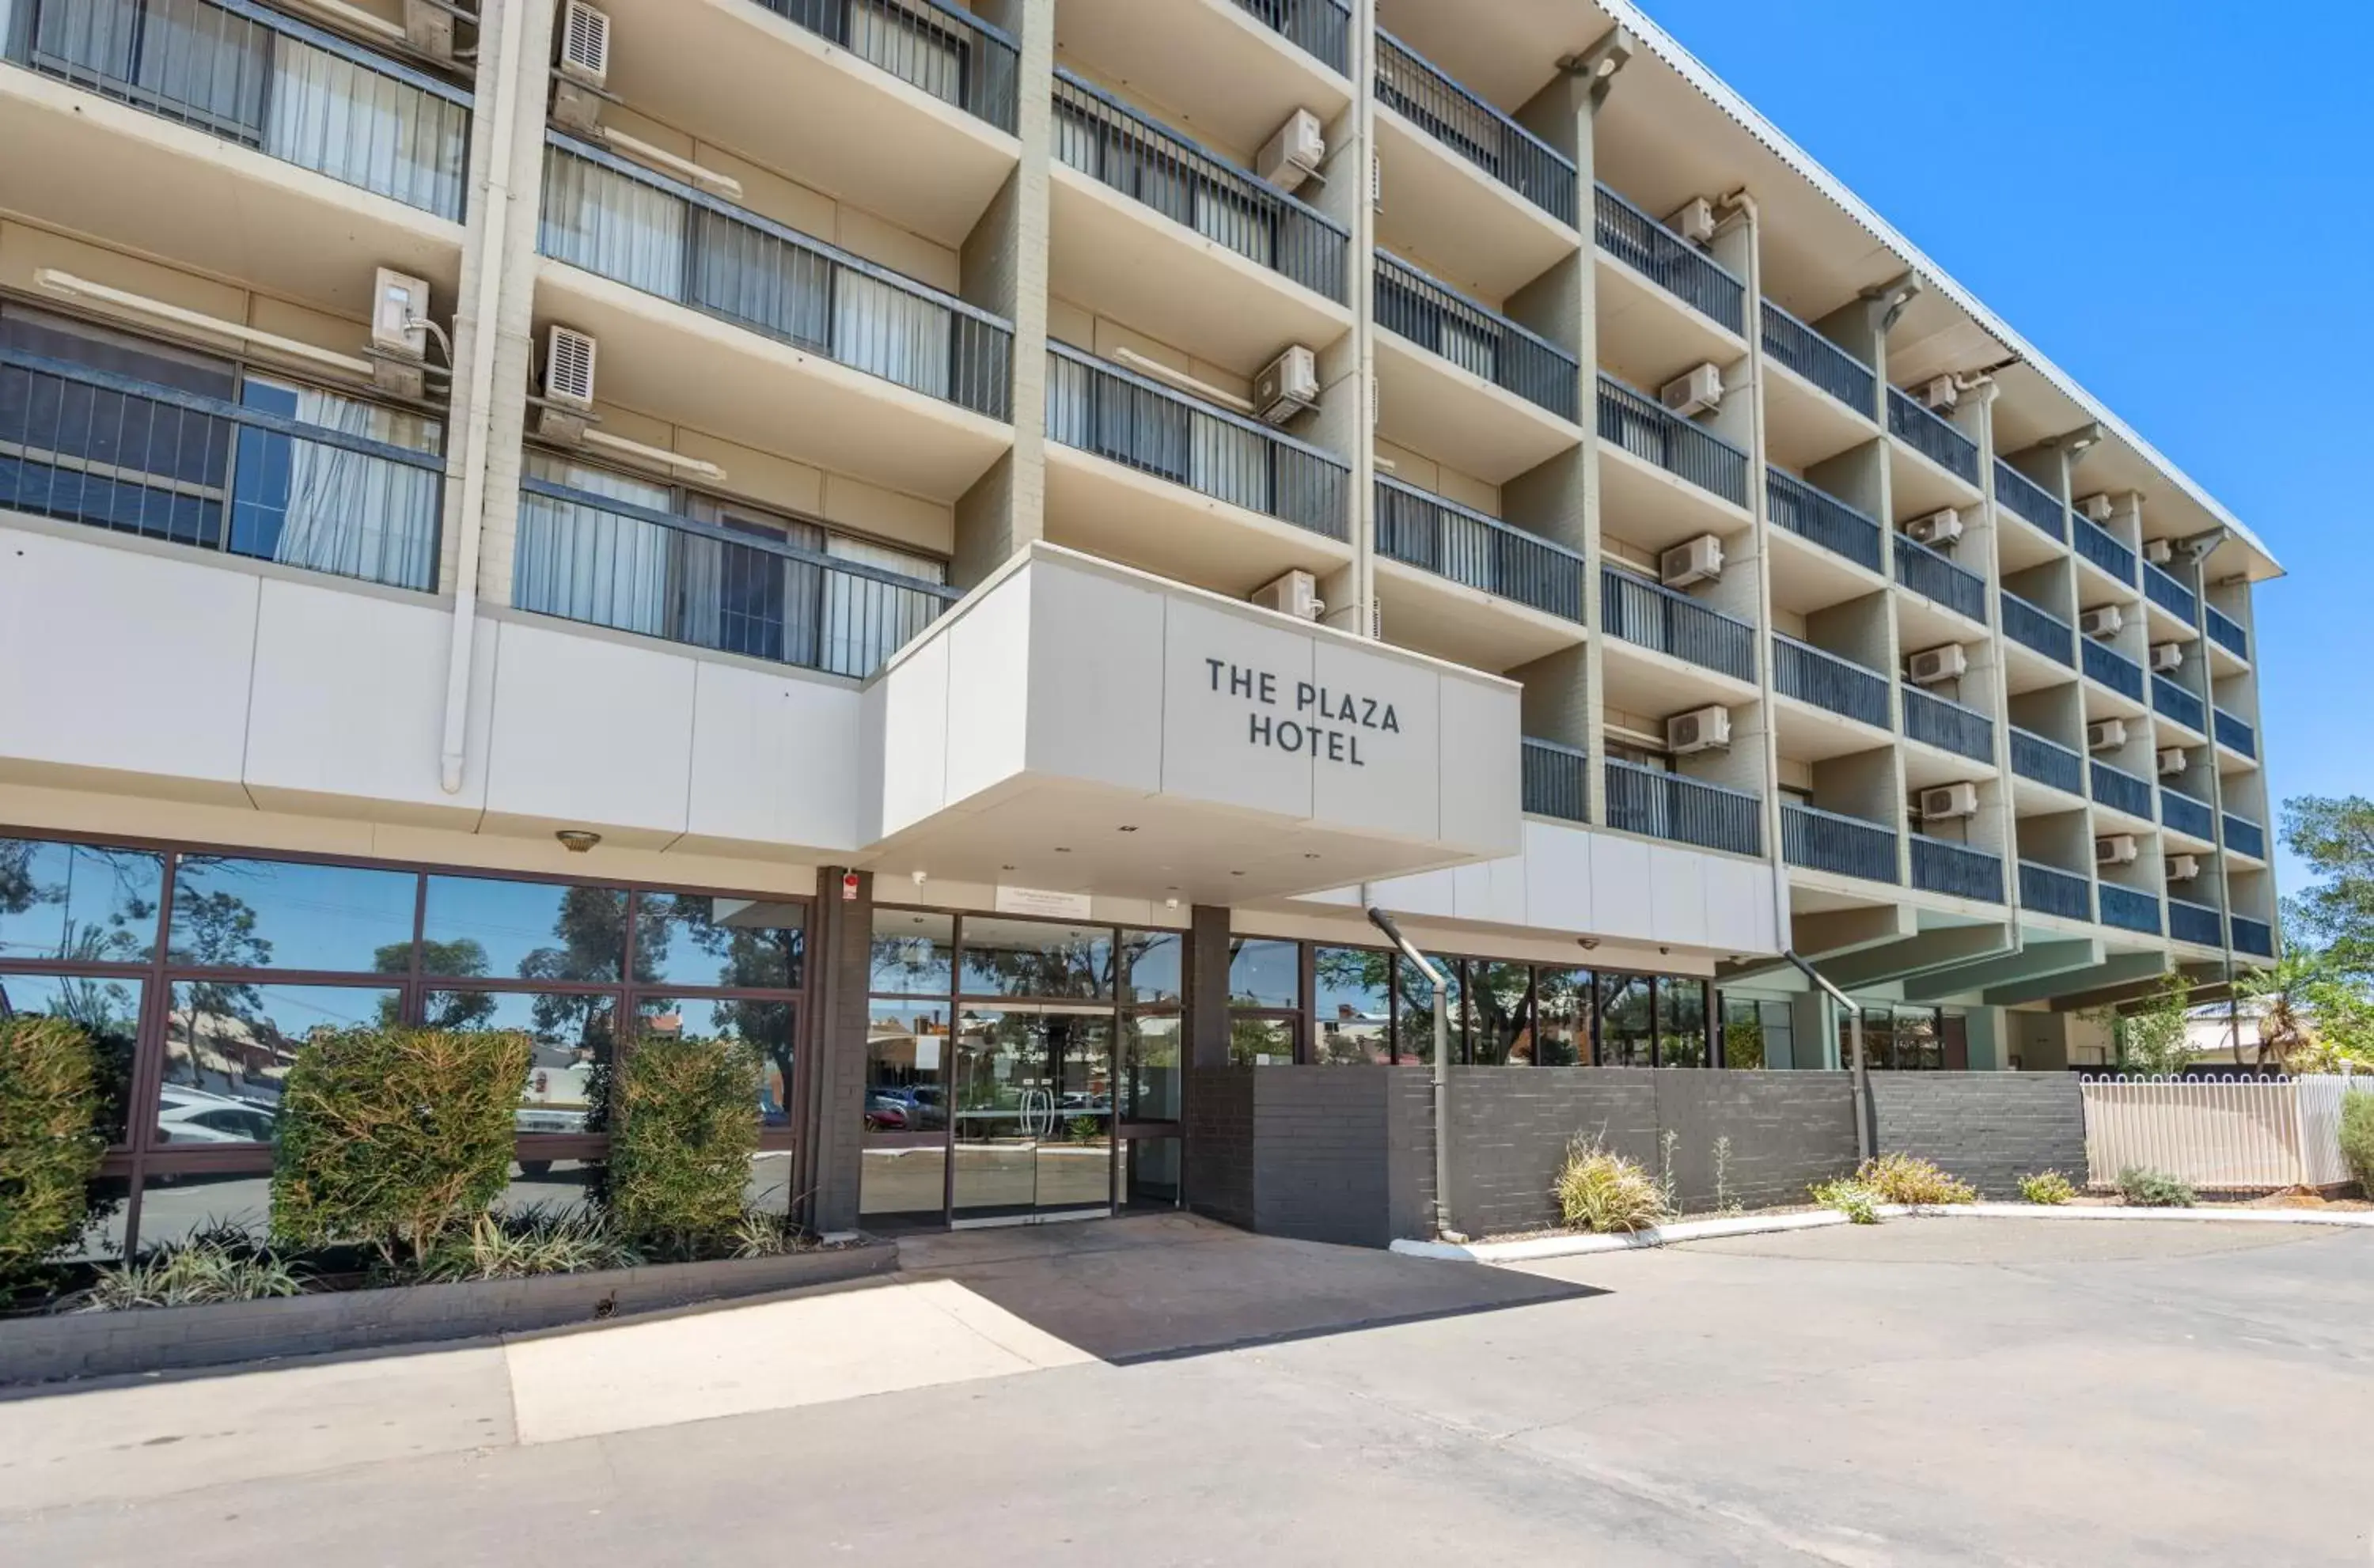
(193, 1115)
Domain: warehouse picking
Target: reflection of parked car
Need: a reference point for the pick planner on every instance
(886, 1112)
(193, 1115)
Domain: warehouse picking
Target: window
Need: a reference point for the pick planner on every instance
(1024, 958)
(80, 902)
(915, 953)
(1562, 1012)
(1756, 1033)
(1263, 973)
(1500, 1013)
(1414, 1011)
(1626, 1021)
(240, 914)
(108, 1009)
(1681, 1022)
(1352, 1021)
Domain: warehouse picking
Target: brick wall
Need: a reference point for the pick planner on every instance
(1220, 1157)
(1990, 1128)
(1322, 1152)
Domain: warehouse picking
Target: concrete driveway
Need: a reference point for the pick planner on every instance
(1168, 1392)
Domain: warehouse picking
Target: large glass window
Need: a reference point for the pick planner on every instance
(77, 902)
(108, 1009)
(1626, 1021)
(1681, 1022)
(1352, 1018)
(575, 1039)
(1414, 1011)
(730, 944)
(1255, 1040)
(915, 953)
(1157, 966)
(1562, 1017)
(1756, 1033)
(241, 914)
(1263, 973)
(228, 1047)
(1024, 958)
(1500, 1013)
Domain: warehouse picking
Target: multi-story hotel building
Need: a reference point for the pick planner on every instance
(967, 544)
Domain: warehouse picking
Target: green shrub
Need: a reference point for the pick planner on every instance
(2147, 1188)
(51, 1091)
(2357, 1137)
(1600, 1190)
(215, 1265)
(686, 1124)
(1849, 1196)
(1901, 1179)
(762, 1235)
(2048, 1187)
(393, 1136)
(525, 1242)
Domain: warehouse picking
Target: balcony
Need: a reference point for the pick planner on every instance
(2244, 836)
(260, 468)
(929, 44)
(1412, 86)
(2115, 670)
(1837, 685)
(1683, 810)
(2038, 630)
(1651, 616)
(2226, 632)
(607, 561)
(1483, 421)
(2180, 813)
(1642, 428)
(1670, 262)
(1556, 780)
(1939, 580)
(2122, 791)
(2235, 734)
(2129, 910)
(2048, 890)
(1949, 726)
(2256, 938)
(2170, 595)
(1448, 544)
(2046, 762)
(2030, 501)
(1846, 845)
(2196, 923)
(1790, 343)
(1940, 865)
(1932, 437)
(2095, 544)
(1822, 518)
(1321, 29)
(2176, 705)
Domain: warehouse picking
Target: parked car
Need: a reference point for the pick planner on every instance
(194, 1115)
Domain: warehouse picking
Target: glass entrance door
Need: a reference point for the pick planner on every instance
(1033, 1122)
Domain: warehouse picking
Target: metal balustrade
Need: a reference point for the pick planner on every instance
(1556, 780)
(1423, 530)
(1821, 517)
(2254, 937)
(2115, 670)
(1829, 841)
(941, 48)
(2121, 790)
(635, 227)
(1443, 321)
(247, 74)
(1932, 437)
(1839, 685)
(1934, 578)
(2172, 702)
(1321, 29)
(2047, 761)
(1094, 407)
(1939, 722)
(2225, 631)
(610, 562)
(1651, 432)
(2129, 910)
(2181, 814)
(2035, 628)
(1421, 92)
(1141, 158)
(2094, 544)
(2048, 890)
(2170, 594)
(1683, 810)
(1940, 865)
(2188, 921)
(2237, 734)
(311, 479)
(2244, 836)
(1670, 262)
(1651, 616)
(1820, 361)
(2024, 498)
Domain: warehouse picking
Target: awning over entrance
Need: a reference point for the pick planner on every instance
(1080, 726)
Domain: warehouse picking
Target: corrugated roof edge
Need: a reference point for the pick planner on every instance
(1721, 95)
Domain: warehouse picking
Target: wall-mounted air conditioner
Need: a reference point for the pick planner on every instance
(1694, 221)
(2171, 762)
(428, 29)
(1294, 154)
(2159, 552)
(2166, 657)
(1696, 392)
(1296, 594)
(1700, 729)
(1936, 529)
(1699, 560)
(569, 357)
(2118, 849)
(2103, 621)
(583, 38)
(1940, 395)
(2183, 868)
(1933, 665)
(2106, 735)
(1947, 802)
(2094, 508)
(1287, 386)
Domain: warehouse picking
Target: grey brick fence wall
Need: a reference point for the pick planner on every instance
(1990, 1128)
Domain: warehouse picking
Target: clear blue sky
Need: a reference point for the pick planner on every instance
(2172, 200)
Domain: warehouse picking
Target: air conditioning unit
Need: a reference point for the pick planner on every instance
(1949, 800)
(2159, 552)
(1946, 664)
(2103, 621)
(1694, 394)
(585, 39)
(2166, 657)
(1287, 385)
(1295, 154)
(2118, 849)
(1296, 594)
(1937, 528)
(1693, 220)
(2171, 762)
(2183, 868)
(1700, 729)
(399, 303)
(1701, 560)
(1939, 394)
(2094, 508)
(2106, 735)
(568, 368)
(428, 29)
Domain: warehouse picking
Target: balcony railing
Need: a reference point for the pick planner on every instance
(2047, 761)
(2027, 499)
(1440, 536)
(1683, 810)
(2039, 629)
(2256, 938)
(1093, 407)
(2170, 595)
(1934, 578)
(1940, 865)
(627, 224)
(1932, 437)
(1108, 140)
(305, 478)
(2225, 631)
(2121, 790)
(610, 562)
(1965, 731)
(2180, 813)
(2048, 890)
(1648, 614)
(1840, 685)
(1556, 780)
(947, 51)
(1409, 83)
(2245, 837)
(2237, 734)
(1443, 321)
(2113, 669)
(2094, 544)
(1651, 432)
(1827, 841)
(1820, 361)
(2129, 910)
(1670, 262)
(2172, 702)
(2188, 921)
(1321, 29)
(1822, 517)
(247, 74)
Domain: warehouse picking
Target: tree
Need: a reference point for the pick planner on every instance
(2151, 1035)
(217, 930)
(2335, 837)
(462, 958)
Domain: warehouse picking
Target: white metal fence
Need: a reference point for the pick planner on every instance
(2232, 1134)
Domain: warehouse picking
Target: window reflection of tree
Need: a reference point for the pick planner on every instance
(131, 924)
(1501, 1030)
(218, 930)
(1079, 965)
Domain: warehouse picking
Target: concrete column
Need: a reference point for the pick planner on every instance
(1995, 827)
(1207, 986)
(831, 1148)
(1346, 422)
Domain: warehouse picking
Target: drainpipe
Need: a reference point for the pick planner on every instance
(1861, 1068)
(477, 430)
(1384, 922)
